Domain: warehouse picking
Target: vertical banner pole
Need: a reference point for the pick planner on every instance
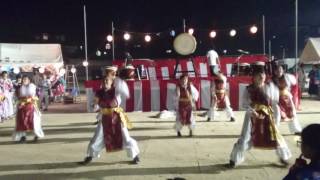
(85, 40)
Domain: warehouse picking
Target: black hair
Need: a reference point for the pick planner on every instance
(4, 72)
(310, 137)
(277, 66)
(18, 76)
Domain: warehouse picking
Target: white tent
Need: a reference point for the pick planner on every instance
(28, 56)
(311, 52)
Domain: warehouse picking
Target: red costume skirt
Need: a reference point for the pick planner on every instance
(112, 132)
(25, 117)
(262, 132)
(185, 110)
(286, 109)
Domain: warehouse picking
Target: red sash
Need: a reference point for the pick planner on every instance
(263, 128)
(24, 120)
(261, 132)
(111, 121)
(112, 132)
(185, 106)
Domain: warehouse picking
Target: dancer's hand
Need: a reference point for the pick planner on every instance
(255, 114)
(114, 103)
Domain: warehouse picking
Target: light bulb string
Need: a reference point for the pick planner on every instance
(196, 29)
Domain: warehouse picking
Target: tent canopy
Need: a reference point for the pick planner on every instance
(28, 56)
(311, 52)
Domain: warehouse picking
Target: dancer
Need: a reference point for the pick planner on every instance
(219, 98)
(313, 83)
(28, 114)
(45, 92)
(213, 61)
(58, 88)
(2, 112)
(259, 129)
(111, 132)
(286, 110)
(7, 88)
(187, 94)
(16, 85)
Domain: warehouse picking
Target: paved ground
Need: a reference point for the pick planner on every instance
(164, 156)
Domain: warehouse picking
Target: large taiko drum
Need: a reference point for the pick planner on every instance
(185, 44)
(128, 73)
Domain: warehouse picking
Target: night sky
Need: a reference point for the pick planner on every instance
(22, 20)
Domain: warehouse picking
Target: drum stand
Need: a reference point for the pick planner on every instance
(178, 63)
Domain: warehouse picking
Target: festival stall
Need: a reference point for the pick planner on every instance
(311, 52)
(25, 57)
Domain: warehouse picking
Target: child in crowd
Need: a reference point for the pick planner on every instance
(310, 148)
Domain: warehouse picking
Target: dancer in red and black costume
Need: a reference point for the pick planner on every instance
(187, 94)
(286, 109)
(28, 114)
(113, 124)
(219, 98)
(259, 129)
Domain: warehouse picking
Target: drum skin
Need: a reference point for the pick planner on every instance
(185, 44)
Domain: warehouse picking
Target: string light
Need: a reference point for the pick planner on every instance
(109, 38)
(98, 53)
(147, 38)
(233, 32)
(85, 63)
(213, 34)
(191, 31)
(172, 33)
(126, 36)
(225, 51)
(254, 29)
(73, 70)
